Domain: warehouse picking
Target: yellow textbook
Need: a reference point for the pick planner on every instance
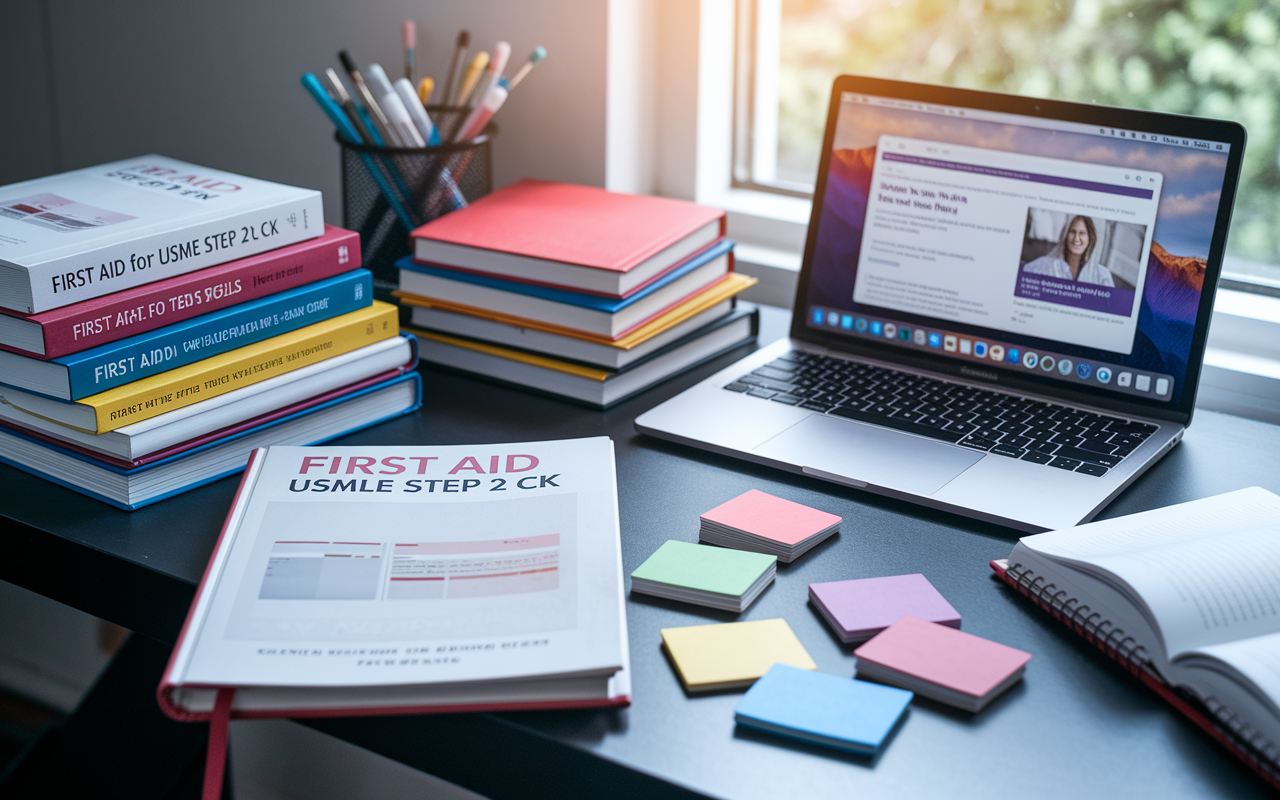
(215, 376)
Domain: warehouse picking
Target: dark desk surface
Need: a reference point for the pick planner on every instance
(1075, 726)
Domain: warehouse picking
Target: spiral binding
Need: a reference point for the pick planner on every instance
(1127, 650)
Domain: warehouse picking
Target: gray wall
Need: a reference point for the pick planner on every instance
(90, 81)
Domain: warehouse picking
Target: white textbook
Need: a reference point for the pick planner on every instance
(384, 580)
(100, 230)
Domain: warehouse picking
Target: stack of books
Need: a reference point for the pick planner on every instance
(160, 320)
(575, 291)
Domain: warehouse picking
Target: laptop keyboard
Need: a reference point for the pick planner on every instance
(1003, 424)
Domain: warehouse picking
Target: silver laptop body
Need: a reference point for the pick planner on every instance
(1055, 261)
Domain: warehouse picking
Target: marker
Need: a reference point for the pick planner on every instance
(459, 53)
(537, 55)
(425, 87)
(417, 113)
(472, 76)
(481, 114)
(501, 55)
(380, 120)
(403, 132)
(409, 37)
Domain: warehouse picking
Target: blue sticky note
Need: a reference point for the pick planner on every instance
(823, 709)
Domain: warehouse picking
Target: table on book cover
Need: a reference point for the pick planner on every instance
(1075, 726)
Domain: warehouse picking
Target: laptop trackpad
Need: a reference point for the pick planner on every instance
(867, 454)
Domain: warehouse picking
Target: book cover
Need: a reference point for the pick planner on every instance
(94, 231)
(95, 322)
(111, 365)
(578, 237)
(218, 375)
(325, 595)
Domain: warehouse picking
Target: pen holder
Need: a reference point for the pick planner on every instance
(389, 191)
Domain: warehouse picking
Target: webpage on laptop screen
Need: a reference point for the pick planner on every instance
(1008, 239)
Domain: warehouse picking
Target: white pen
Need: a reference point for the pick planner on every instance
(400, 123)
(412, 104)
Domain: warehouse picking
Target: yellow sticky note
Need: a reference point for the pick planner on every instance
(734, 654)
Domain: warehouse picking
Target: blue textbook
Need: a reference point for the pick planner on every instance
(823, 709)
(89, 372)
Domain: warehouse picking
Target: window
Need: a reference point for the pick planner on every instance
(1200, 57)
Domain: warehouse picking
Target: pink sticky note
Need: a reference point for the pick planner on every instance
(943, 656)
(859, 609)
(771, 517)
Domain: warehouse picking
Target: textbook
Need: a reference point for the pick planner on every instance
(95, 322)
(132, 486)
(587, 313)
(99, 230)
(327, 595)
(1185, 599)
(572, 237)
(214, 376)
(601, 388)
(474, 323)
(98, 369)
(248, 406)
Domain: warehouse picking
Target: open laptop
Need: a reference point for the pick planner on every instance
(1002, 308)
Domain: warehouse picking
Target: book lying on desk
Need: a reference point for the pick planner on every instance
(572, 237)
(99, 369)
(327, 595)
(1185, 598)
(587, 384)
(214, 376)
(131, 486)
(469, 322)
(95, 322)
(103, 229)
(600, 316)
(248, 406)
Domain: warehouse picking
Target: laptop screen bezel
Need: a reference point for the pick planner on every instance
(1103, 116)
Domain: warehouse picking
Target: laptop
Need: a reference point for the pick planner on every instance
(1002, 307)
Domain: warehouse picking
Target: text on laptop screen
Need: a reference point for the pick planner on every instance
(1069, 251)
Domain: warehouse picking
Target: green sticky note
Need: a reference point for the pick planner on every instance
(709, 569)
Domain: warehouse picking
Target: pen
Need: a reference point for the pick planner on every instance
(380, 120)
(471, 77)
(497, 65)
(481, 114)
(413, 105)
(406, 135)
(365, 131)
(537, 55)
(409, 37)
(425, 87)
(459, 53)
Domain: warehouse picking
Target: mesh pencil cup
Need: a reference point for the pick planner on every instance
(389, 191)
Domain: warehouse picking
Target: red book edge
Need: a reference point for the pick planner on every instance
(1151, 680)
(579, 289)
(212, 436)
(636, 258)
(57, 324)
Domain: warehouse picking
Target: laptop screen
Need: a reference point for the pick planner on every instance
(1070, 254)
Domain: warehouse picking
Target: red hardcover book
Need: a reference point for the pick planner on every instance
(94, 322)
(573, 237)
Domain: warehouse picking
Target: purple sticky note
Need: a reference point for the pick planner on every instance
(859, 609)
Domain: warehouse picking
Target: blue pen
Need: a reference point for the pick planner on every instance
(348, 132)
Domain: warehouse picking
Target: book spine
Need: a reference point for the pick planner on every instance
(244, 366)
(138, 357)
(155, 305)
(156, 256)
(1245, 744)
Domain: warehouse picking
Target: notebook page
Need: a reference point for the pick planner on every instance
(1256, 664)
(1206, 572)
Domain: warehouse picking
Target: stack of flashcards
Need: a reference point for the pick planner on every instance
(574, 290)
(823, 709)
(941, 663)
(733, 654)
(160, 320)
(859, 609)
(729, 580)
(763, 523)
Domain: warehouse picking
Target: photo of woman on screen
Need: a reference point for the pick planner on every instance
(1071, 259)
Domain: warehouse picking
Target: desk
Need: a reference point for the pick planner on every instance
(1076, 726)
